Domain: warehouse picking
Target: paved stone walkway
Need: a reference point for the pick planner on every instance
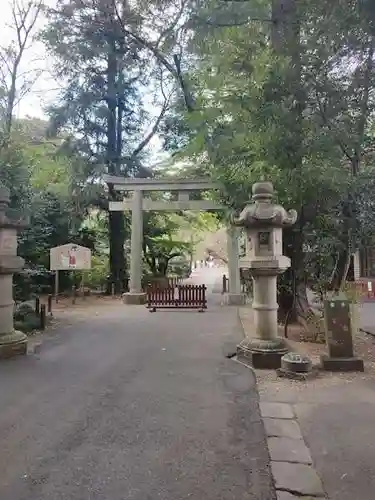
(124, 404)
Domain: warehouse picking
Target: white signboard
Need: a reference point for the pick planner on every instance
(70, 257)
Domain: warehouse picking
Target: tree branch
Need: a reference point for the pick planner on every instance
(152, 132)
(160, 57)
(173, 25)
(364, 108)
(24, 19)
(189, 103)
(145, 44)
(244, 22)
(331, 128)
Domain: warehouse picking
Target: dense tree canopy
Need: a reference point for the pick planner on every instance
(240, 90)
(286, 92)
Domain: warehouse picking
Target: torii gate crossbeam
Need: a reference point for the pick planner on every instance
(137, 204)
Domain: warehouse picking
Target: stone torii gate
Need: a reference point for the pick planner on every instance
(137, 204)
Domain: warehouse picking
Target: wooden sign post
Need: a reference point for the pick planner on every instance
(69, 257)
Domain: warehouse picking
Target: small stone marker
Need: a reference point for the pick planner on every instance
(293, 361)
(339, 337)
(296, 366)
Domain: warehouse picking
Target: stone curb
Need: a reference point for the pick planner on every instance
(368, 330)
(291, 463)
(292, 468)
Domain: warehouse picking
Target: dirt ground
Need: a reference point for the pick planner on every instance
(81, 302)
(364, 347)
(336, 414)
(364, 343)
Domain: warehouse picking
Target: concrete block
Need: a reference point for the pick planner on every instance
(281, 427)
(289, 450)
(342, 364)
(285, 495)
(260, 360)
(300, 479)
(134, 298)
(276, 410)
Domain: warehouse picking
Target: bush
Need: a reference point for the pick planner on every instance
(25, 318)
(23, 310)
(182, 269)
(96, 277)
(29, 324)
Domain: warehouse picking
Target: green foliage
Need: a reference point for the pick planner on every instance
(96, 277)
(161, 243)
(46, 186)
(25, 318)
(292, 102)
(15, 175)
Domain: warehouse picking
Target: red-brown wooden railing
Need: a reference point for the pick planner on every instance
(179, 297)
(365, 288)
(161, 282)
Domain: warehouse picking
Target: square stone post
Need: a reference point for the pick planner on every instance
(234, 296)
(12, 342)
(135, 294)
(338, 316)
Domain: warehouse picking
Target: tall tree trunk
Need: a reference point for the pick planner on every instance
(116, 219)
(285, 40)
(11, 100)
(293, 299)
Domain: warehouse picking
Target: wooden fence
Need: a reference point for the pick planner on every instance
(177, 297)
(363, 289)
(160, 282)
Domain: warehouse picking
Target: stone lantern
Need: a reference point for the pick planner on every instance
(12, 342)
(263, 222)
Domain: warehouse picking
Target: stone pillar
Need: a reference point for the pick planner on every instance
(339, 327)
(136, 295)
(12, 342)
(234, 296)
(265, 307)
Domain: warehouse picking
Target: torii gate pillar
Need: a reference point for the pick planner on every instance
(234, 296)
(136, 294)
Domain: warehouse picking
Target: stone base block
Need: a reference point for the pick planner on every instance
(302, 376)
(261, 360)
(342, 364)
(13, 344)
(134, 299)
(235, 299)
(263, 354)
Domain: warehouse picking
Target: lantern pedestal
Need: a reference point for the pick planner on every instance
(134, 298)
(12, 342)
(264, 348)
